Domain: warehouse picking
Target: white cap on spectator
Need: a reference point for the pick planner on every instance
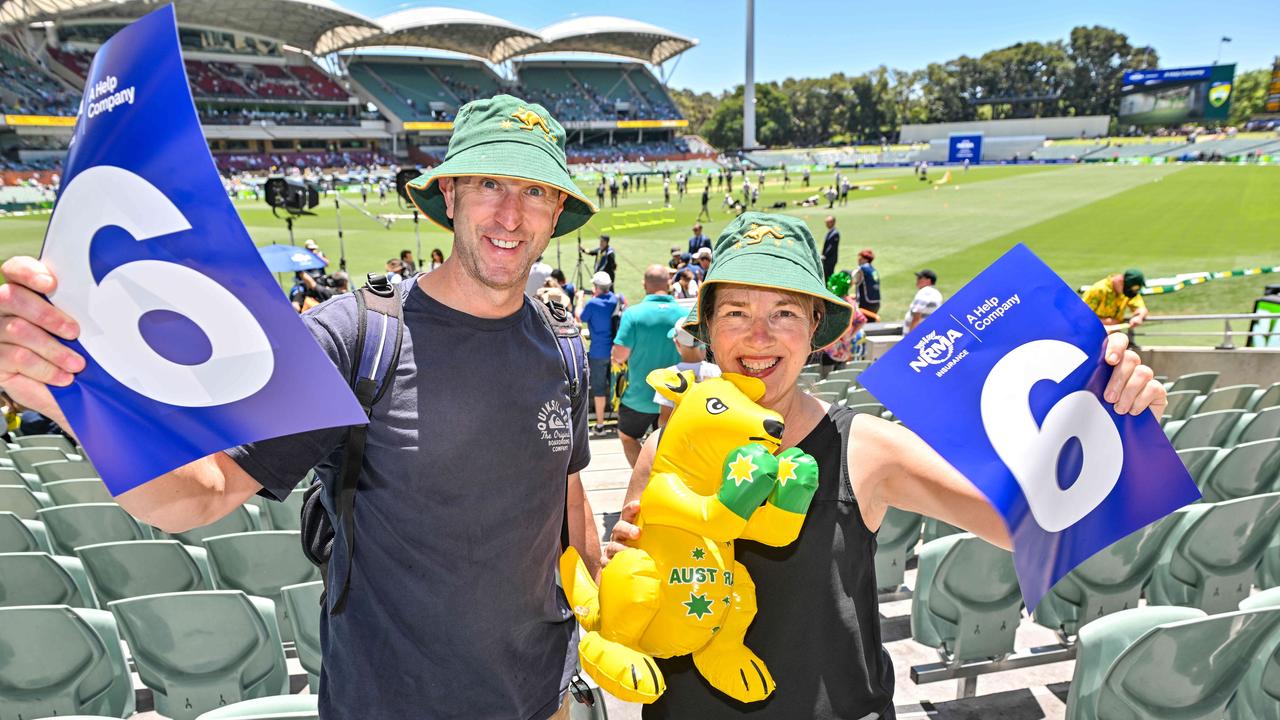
(602, 279)
(704, 252)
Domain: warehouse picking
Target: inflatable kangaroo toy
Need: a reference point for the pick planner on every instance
(715, 479)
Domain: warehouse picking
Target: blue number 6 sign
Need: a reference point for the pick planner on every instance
(1005, 381)
(142, 229)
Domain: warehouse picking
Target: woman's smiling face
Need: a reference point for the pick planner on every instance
(762, 333)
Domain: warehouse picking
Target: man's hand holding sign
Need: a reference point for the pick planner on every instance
(1008, 382)
(167, 340)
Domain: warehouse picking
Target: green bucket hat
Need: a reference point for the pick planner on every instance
(776, 252)
(504, 136)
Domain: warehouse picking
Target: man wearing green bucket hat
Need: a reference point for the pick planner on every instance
(763, 308)
(451, 609)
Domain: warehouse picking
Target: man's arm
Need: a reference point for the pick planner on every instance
(583, 533)
(621, 353)
(191, 496)
(1140, 311)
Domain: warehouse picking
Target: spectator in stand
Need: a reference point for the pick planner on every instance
(928, 298)
(437, 259)
(642, 345)
(693, 356)
(395, 271)
(701, 262)
(674, 262)
(1112, 296)
(685, 287)
(699, 239)
(869, 287)
(316, 291)
(538, 274)
(606, 260)
(406, 257)
(598, 314)
(830, 244)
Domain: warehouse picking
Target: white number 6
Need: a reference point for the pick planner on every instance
(241, 362)
(1031, 451)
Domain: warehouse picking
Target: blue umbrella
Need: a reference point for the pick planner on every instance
(289, 258)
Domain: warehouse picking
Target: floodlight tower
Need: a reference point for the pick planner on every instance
(749, 88)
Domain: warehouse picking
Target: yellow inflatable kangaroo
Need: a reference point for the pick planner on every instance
(714, 479)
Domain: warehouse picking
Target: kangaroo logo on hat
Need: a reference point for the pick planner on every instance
(530, 120)
(758, 233)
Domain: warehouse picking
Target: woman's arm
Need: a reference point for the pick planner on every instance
(890, 465)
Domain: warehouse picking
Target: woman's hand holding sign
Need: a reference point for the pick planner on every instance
(1132, 387)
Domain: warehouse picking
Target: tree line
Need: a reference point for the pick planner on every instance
(1078, 76)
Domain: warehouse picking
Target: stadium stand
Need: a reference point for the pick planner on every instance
(37, 578)
(302, 604)
(27, 89)
(260, 564)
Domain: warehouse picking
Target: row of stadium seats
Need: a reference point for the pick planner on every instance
(232, 80)
(200, 654)
(27, 89)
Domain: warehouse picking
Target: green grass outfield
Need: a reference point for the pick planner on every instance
(1084, 221)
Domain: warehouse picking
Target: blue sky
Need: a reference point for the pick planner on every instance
(809, 38)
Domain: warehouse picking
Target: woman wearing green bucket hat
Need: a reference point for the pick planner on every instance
(763, 308)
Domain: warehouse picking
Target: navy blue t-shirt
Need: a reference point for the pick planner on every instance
(598, 315)
(453, 609)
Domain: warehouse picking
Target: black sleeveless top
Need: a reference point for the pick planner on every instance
(818, 625)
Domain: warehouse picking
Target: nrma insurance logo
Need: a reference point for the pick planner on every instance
(964, 145)
(935, 348)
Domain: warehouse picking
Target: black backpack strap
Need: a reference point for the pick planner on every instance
(380, 331)
(573, 359)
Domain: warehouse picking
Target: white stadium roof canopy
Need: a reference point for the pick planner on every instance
(443, 28)
(612, 36)
(317, 26)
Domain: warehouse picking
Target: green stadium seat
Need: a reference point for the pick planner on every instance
(895, 541)
(280, 707)
(119, 570)
(845, 373)
(57, 442)
(20, 501)
(1179, 403)
(200, 650)
(935, 528)
(260, 563)
(1101, 642)
(967, 602)
(1232, 397)
(59, 661)
(829, 396)
(25, 459)
(1269, 567)
(244, 518)
(1108, 582)
(1185, 669)
(1209, 560)
(1247, 469)
(1209, 429)
(12, 478)
(75, 492)
(1265, 599)
(1268, 397)
(807, 379)
(18, 535)
(1201, 382)
(875, 409)
(71, 526)
(1197, 461)
(1258, 694)
(1262, 425)
(286, 515)
(830, 385)
(302, 603)
(37, 578)
(859, 396)
(66, 470)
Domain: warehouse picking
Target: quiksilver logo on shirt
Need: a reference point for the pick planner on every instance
(553, 426)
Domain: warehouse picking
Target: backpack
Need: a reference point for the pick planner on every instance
(328, 510)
